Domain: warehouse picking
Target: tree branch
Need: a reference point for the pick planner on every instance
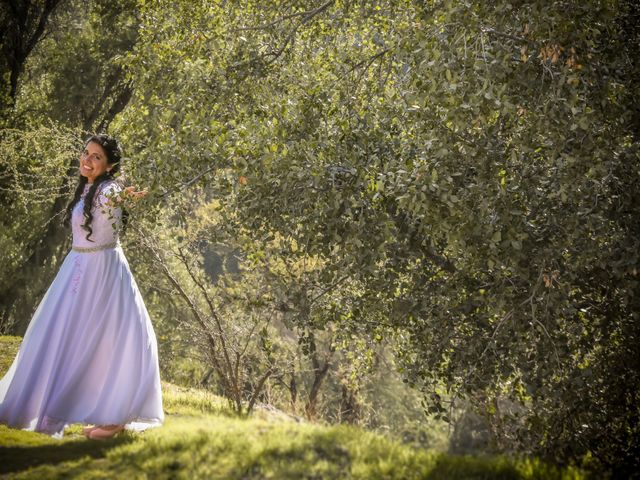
(308, 13)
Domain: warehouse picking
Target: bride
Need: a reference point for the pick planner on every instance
(89, 354)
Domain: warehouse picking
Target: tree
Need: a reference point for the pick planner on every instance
(23, 23)
(471, 165)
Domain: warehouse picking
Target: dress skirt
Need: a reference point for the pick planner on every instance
(89, 354)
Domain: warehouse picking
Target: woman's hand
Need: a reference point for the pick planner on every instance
(132, 193)
(125, 195)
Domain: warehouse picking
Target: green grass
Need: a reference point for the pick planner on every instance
(8, 349)
(201, 438)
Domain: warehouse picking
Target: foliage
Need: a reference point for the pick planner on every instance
(30, 165)
(472, 167)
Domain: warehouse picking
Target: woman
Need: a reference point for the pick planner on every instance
(89, 354)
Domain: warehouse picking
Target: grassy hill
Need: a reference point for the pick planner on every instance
(201, 438)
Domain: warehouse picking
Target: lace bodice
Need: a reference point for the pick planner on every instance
(107, 219)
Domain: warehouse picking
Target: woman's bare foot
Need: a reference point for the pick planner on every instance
(103, 432)
(87, 430)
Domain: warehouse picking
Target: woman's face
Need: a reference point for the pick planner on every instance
(93, 161)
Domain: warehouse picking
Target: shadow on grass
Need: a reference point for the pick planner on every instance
(476, 468)
(15, 459)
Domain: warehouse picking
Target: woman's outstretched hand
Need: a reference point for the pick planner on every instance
(131, 192)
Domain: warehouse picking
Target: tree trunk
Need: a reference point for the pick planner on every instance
(24, 25)
(349, 405)
(320, 371)
(293, 389)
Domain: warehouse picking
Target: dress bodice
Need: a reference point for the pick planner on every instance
(107, 218)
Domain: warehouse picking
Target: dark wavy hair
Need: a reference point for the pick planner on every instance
(114, 157)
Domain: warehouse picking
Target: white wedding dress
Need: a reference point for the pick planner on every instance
(90, 353)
